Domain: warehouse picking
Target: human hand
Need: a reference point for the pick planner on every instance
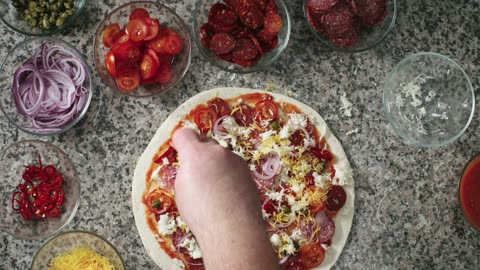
(219, 202)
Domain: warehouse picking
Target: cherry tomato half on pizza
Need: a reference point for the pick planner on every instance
(159, 202)
(145, 46)
(312, 255)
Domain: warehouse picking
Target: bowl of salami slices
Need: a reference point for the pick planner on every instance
(350, 25)
(241, 36)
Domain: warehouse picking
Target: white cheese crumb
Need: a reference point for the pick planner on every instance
(265, 215)
(297, 119)
(288, 247)
(298, 188)
(193, 249)
(181, 224)
(350, 132)
(297, 235)
(320, 180)
(342, 175)
(276, 196)
(422, 112)
(275, 240)
(267, 134)
(165, 161)
(347, 106)
(166, 225)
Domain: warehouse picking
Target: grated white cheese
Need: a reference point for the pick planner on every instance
(297, 235)
(166, 225)
(297, 119)
(165, 161)
(275, 240)
(320, 180)
(192, 246)
(275, 196)
(181, 224)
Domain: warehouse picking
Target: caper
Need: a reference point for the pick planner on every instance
(52, 19)
(64, 15)
(32, 22)
(40, 9)
(32, 5)
(46, 23)
(68, 5)
(60, 21)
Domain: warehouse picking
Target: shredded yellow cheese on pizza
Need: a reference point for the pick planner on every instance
(81, 259)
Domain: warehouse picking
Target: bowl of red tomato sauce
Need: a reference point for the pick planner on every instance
(469, 192)
(142, 49)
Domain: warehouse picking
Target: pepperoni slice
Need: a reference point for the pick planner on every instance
(206, 34)
(214, 10)
(372, 12)
(271, 6)
(321, 6)
(226, 16)
(222, 43)
(257, 44)
(232, 3)
(221, 28)
(245, 50)
(273, 22)
(346, 40)
(338, 22)
(240, 32)
(312, 19)
(226, 57)
(246, 63)
(261, 4)
(251, 16)
(243, 115)
(265, 36)
(336, 198)
(269, 46)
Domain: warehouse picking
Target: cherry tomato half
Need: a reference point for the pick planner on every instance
(139, 13)
(170, 154)
(128, 78)
(136, 29)
(127, 51)
(205, 118)
(243, 114)
(159, 202)
(110, 64)
(336, 198)
(174, 44)
(220, 106)
(120, 37)
(164, 73)
(153, 26)
(149, 65)
(266, 110)
(109, 34)
(312, 255)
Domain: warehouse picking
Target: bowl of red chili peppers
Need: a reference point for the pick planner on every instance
(39, 189)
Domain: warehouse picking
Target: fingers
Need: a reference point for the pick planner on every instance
(184, 139)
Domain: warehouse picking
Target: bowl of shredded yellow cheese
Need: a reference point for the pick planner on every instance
(78, 250)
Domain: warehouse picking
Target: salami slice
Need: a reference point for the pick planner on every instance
(240, 32)
(327, 227)
(251, 16)
(339, 21)
(222, 43)
(206, 34)
(168, 173)
(218, 7)
(245, 50)
(321, 6)
(273, 22)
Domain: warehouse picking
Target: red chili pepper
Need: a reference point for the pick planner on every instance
(43, 199)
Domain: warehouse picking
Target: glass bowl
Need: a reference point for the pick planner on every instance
(167, 17)
(428, 100)
(17, 57)
(13, 160)
(370, 36)
(200, 16)
(10, 16)
(68, 241)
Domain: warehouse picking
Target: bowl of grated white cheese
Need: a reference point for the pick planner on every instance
(428, 100)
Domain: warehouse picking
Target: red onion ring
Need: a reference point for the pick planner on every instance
(48, 89)
(218, 127)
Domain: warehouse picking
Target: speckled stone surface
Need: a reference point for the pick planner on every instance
(407, 215)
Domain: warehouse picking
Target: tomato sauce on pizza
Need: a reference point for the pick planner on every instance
(290, 162)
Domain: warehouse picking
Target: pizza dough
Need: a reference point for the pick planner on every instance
(343, 219)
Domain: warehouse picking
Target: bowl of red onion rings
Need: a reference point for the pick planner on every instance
(45, 86)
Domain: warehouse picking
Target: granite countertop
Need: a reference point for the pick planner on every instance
(406, 210)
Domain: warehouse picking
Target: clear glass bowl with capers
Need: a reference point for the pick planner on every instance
(40, 17)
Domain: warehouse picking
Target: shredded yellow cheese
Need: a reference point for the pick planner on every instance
(81, 258)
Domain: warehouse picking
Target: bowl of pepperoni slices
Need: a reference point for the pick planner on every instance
(142, 49)
(241, 36)
(350, 25)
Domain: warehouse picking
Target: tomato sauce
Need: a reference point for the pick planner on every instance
(470, 192)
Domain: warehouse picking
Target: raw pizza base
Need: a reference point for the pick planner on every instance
(343, 220)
